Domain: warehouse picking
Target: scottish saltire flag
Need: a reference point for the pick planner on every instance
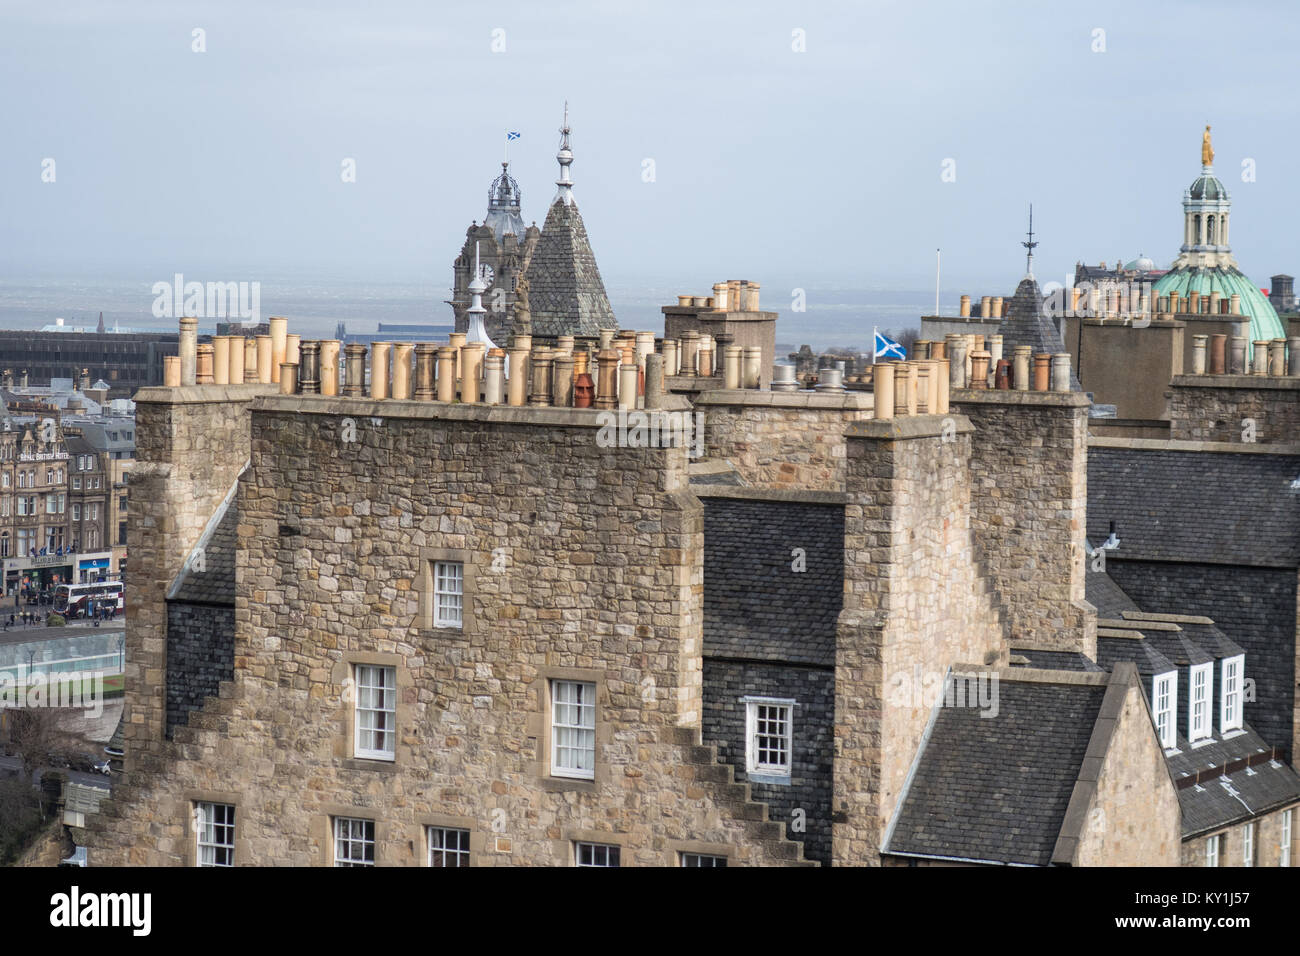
(886, 347)
(510, 136)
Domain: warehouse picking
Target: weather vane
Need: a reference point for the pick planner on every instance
(1029, 257)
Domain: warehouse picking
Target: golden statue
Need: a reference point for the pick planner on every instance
(1207, 151)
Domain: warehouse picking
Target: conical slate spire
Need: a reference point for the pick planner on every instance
(1025, 323)
(566, 293)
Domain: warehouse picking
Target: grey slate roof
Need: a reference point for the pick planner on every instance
(1218, 801)
(1025, 323)
(215, 584)
(1057, 660)
(1101, 591)
(1142, 653)
(1205, 507)
(565, 293)
(755, 605)
(997, 788)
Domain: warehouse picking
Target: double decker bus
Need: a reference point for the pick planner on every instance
(78, 600)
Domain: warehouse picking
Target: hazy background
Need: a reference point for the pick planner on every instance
(817, 170)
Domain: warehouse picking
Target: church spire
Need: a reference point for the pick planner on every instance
(565, 159)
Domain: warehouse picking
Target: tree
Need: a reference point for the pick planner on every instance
(33, 733)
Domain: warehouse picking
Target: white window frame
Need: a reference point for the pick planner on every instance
(702, 859)
(448, 594)
(76, 512)
(599, 851)
(352, 833)
(450, 852)
(1248, 843)
(1212, 850)
(1285, 858)
(573, 729)
(1231, 682)
(1164, 707)
(757, 768)
(214, 836)
(375, 711)
(1200, 698)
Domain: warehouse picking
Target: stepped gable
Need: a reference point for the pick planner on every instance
(1025, 323)
(565, 292)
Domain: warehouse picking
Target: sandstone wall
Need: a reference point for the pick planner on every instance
(914, 600)
(1029, 477)
(1214, 407)
(782, 440)
(581, 562)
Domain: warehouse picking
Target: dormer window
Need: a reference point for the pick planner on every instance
(1164, 694)
(1230, 716)
(1200, 693)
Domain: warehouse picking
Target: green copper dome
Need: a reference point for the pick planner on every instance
(1207, 186)
(1264, 321)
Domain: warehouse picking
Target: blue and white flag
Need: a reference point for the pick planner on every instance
(510, 136)
(885, 347)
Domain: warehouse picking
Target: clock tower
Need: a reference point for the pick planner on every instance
(504, 246)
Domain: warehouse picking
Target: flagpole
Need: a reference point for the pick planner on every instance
(936, 281)
(875, 332)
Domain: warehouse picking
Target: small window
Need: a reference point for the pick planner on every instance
(595, 854)
(76, 512)
(1212, 850)
(769, 738)
(448, 847)
(1163, 698)
(703, 859)
(1230, 711)
(376, 712)
(1248, 844)
(1198, 709)
(573, 729)
(354, 842)
(1285, 858)
(448, 593)
(215, 823)
(76, 484)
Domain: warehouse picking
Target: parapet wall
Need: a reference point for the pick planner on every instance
(1029, 478)
(782, 440)
(1235, 408)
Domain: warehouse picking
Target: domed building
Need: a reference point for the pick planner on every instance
(1205, 264)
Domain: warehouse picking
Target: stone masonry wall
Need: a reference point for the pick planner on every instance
(190, 446)
(1133, 817)
(1029, 477)
(914, 601)
(1217, 407)
(782, 440)
(581, 562)
(1268, 842)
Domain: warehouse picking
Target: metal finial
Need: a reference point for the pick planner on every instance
(1029, 257)
(565, 159)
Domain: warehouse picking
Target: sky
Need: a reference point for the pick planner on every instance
(795, 144)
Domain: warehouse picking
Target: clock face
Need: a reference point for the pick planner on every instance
(485, 273)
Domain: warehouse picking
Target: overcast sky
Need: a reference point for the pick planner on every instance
(768, 163)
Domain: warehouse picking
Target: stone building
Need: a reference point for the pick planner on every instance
(423, 632)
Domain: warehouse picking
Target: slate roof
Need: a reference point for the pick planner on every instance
(996, 788)
(1101, 591)
(215, 584)
(565, 293)
(1205, 507)
(1141, 652)
(1218, 801)
(1025, 323)
(1056, 660)
(756, 606)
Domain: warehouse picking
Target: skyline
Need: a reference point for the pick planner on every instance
(232, 168)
